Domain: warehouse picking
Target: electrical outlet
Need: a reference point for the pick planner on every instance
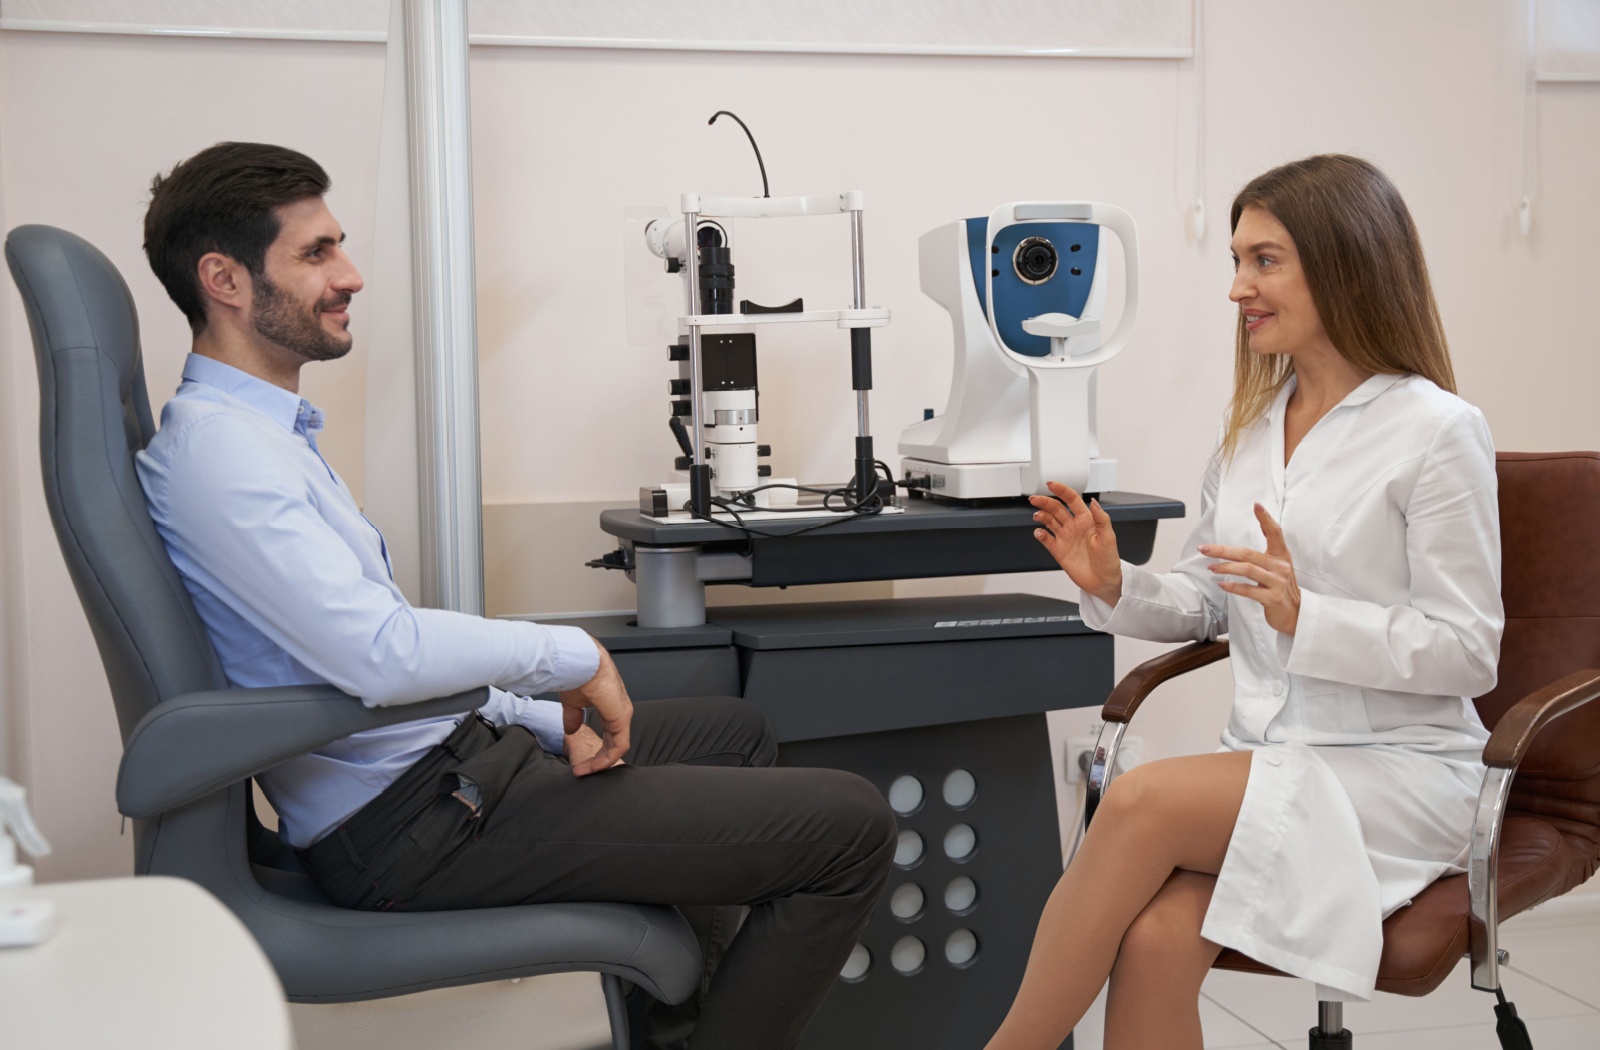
(1080, 752)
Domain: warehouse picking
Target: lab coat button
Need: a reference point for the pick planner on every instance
(1277, 688)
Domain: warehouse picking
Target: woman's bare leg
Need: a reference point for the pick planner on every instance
(1155, 984)
(1162, 816)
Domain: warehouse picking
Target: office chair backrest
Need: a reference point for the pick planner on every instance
(94, 414)
(1549, 504)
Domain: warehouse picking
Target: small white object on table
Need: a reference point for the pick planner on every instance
(153, 963)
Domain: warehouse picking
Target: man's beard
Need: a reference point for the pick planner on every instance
(280, 319)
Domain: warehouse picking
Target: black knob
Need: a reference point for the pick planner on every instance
(678, 352)
(763, 450)
(678, 387)
(681, 408)
(764, 471)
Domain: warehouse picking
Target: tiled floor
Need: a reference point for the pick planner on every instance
(1553, 977)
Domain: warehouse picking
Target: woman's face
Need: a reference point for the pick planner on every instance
(1270, 287)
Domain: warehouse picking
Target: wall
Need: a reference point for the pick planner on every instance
(566, 139)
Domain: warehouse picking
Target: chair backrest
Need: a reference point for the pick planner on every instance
(94, 414)
(1549, 522)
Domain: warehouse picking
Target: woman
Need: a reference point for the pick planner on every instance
(1349, 545)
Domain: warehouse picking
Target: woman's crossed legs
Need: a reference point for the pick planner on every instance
(1130, 908)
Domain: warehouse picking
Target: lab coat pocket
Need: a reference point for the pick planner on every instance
(1330, 709)
(1388, 710)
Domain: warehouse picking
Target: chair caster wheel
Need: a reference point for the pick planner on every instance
(1340, 1040)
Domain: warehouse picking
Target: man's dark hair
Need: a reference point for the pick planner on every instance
(222, 199)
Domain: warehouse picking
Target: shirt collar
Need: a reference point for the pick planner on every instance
(289, 410)
(1367, 391)
(1375, 385)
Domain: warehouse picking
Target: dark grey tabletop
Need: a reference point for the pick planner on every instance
(920, 515)
(930, 538)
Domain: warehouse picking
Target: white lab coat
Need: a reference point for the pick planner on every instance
(1367, 748)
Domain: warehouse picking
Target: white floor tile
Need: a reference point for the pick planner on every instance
(1556, 1033)
(1559, 959)
(1285, 1010)
(564, 1011)
(1222, 1030)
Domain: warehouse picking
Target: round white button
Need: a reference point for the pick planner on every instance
(856, 967)
(960, 841)
(905, 903)
(961, 947)
(1277, 688)
(908, 955)
(908, 850)
(961, 895)
(905, 795)
(959, 789)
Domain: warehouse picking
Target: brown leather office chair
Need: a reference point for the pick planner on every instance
(1537, 833)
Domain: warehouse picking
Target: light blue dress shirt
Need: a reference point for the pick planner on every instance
(294, 586)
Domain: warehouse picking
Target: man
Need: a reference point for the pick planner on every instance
(521, 803)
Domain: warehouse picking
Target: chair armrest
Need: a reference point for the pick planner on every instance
(1507, 747)
(1123, 704)
(194, 744)
(1140, 682)
(1514, 733)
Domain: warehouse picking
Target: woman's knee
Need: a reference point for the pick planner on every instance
(1132, 796)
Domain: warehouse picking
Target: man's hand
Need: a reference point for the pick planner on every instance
(582, 745)
(609, 698)
(1272, 573)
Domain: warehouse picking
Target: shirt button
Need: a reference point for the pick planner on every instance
(1277, 688)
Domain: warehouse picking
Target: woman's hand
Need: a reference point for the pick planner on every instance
(1080, 538)
(1274, 584)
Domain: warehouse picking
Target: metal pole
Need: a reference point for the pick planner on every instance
(444, 285)
(858, 282)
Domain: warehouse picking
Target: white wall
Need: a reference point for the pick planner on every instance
(565, 139)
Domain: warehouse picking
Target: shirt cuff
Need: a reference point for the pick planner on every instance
(1102, 617)
(544, 719)
(575, 659)
(1295, 651)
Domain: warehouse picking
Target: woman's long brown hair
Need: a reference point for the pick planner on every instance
(1363, 261)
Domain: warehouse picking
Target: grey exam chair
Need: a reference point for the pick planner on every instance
(190, 743)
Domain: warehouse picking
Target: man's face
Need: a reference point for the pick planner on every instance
(302, 297)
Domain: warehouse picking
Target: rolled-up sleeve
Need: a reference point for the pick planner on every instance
(1446, 640)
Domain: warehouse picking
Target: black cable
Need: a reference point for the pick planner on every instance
(760, 163)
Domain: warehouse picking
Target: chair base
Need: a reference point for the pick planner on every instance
(1321, 1040)
(616, 993)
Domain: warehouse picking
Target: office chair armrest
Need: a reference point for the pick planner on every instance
(1514, 733)
(1507, 747)
(1123, 704)
(198, 743)
(1140, 682)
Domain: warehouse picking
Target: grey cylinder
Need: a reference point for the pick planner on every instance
(670, 591)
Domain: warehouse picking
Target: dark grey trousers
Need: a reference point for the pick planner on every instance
(698, 817)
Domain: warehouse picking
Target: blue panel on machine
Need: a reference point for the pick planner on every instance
(1063, 288)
